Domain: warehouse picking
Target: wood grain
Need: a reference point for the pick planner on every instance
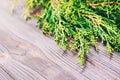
(26, 54)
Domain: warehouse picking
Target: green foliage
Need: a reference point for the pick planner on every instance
(13, 6)
(30, 4)
(78, 24)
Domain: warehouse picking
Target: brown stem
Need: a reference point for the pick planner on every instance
(102, 3)
(36, 10)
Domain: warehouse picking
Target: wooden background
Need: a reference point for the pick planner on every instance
(26, 54)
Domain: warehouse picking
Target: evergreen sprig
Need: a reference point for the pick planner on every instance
(78, 24)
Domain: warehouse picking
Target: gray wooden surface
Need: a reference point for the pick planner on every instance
(26, 54)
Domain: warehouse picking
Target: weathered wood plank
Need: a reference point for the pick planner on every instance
(4, 75)
(20, 72)
(104, 63)
(32, 56)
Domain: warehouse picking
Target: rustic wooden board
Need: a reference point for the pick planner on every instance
(24, 61)
(26, 54)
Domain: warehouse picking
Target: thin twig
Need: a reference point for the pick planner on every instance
(102, 3)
